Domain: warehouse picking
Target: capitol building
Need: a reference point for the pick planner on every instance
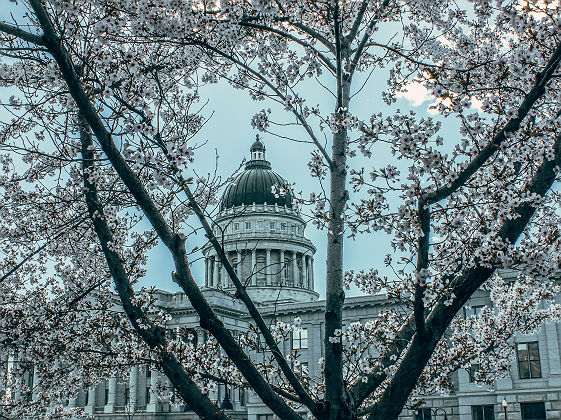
(264, 237)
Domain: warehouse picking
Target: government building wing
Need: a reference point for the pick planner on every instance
(263, 235)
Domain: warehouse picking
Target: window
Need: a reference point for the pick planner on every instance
(264, 417)
(300, 339)
(474, 310)
(148, 380)
(533, 411)
(127, 394)
(302, 371)
(283, 226)
(260, 225)
(472, 371)
(243, 397)
(285, 268)
(261, 345)
(293, 229)
(482, 412)
(423, 414)
(529, 360)
(272, 225)
(236, 226)
(247, 225)
(260, 270)
(189, 336)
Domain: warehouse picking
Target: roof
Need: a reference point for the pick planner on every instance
(255, 185)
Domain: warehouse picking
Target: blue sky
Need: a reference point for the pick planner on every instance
(229, 134)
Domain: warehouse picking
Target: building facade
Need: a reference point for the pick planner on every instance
(264, 238)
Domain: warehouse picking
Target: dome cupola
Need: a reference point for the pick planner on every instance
(257, 183)
(262, 233)
(257, 149)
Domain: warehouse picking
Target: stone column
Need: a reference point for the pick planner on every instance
(305, 271)
(152, 406)
(73, 402)
(312, 274)
(35, 385)
(552, 342)
(215, 274)
(133, 387)
(268, 279)
(111, 396)
(223, 275)
(239, 265)
(310, 268)
(294, 268)
(17, 380)
(166, 404)
(281, 273)
(207, 272)
(90, 407)
(253, 267)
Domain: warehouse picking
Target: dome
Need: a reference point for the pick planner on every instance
(257, 145)
(255, 183)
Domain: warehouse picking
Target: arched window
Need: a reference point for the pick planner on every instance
(234, 264)
(189, 335)
(286, 275)
(260, 270)
(300, 273)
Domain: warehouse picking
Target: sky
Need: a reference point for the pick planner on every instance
(228, 134)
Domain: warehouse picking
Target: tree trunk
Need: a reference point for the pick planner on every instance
(338, 407)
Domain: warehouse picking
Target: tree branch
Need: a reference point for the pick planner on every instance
(361, 390)
(243, 295)
(356, 25)
(297, 114)
(21, 34)
(512, 126)
(286, 35)
(153, 335)
(422, 266)
(314, 34)
(174, 242)
(365, 38)
(421, 349)
(42, 247)
(304, 397)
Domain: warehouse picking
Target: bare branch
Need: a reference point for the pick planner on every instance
(366, 37)
(21, 34)
(256, 74)
(38, 250)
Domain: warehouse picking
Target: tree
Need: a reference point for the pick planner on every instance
(123, 73)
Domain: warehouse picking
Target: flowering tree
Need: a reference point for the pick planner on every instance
(102, 92)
